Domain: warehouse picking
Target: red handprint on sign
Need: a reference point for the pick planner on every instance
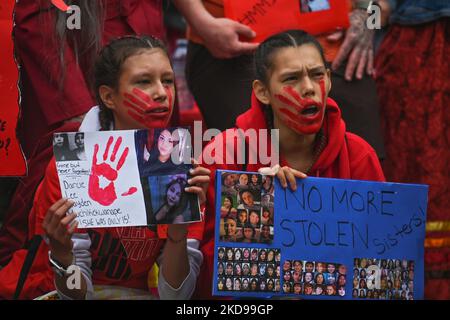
(107, 195)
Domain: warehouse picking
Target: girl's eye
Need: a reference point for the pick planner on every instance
(318, 75)
(144, 81)
(291, 78)
(168, 81)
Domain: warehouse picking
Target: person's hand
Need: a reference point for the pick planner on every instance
(285, 174)
(199, 182)
(221, 37)
(357, 47)
(59, 227)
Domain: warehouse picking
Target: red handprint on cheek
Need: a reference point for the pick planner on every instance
(107, 195)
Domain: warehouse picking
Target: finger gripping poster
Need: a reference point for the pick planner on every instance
(329, 239)
(126, 178)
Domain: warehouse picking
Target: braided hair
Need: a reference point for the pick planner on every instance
(263, 57)
(108, 67)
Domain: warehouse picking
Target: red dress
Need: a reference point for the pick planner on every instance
(413, 71)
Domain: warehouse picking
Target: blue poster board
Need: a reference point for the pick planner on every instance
(330, 239)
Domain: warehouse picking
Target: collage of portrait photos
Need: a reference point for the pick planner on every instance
(247, 208)
(163, 157)
(314, 278)
(383, 279)
(248, 269)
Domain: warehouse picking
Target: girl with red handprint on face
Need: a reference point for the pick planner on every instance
(134, 83)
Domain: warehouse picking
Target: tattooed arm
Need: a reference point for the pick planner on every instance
(357, 47)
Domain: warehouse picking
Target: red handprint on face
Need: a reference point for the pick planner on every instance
(106, 196)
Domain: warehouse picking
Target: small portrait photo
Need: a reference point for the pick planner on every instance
(245, 254)
(319, 278)
(330, 278)
(242, 182)
(245, 284)
(277, 255)
(277, 285)
(221, 283)
(262, 255)
(229, 254)
(262, 269)
(342, 269)
(220, 269)
(229, 180)
(271, 255)
(165, 151)
(254, 255)
(319, 290)
(341, 281)
(242, 217)
(287, 276)
(330, 290)
(228, 208)
(61, 147)
(245, 269)
(168, 202)
(78, 150)
(307, 6)
(287, 287)
(308, 277)
(287, 265)
(270, 271)
(229, 269)
(221, 253)
(268, 201)
(298, 288)
(229, 284)
(237, 254)
(237, 271)
(320, 267)
(249, 234)
(249, 200)
(297, 265)
(254, 218)
(341, 291)
(254, 284)
(255, 183)
(267, 216)
(254, 269)
(296, 276)
(331, 268)
(228, 230)
(237, 284)
(309, 266)
(268, 185)
(308, 289)
(266, 235)
(262, 285)
(270, 285)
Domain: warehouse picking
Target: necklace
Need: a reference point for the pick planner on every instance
(320, 143)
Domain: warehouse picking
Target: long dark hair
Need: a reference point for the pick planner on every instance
(182, 204)
(86, 42)
(109, 63)
(263, 57)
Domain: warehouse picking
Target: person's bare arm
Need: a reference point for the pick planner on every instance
(220, 35)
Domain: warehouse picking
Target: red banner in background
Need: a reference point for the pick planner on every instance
(268, 17)
(12, 161)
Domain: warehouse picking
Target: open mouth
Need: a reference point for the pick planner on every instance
(310, 111)
(157, 110)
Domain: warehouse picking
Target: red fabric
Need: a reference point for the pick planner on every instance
(351, 159)
(13, 233)
(44, 104)
(413, 69)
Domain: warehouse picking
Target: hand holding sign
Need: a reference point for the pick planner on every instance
(59, 228)
(106, 196)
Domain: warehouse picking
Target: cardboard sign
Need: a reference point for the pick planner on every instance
(330, 239)
(127, 178)
(268, 17)
(12, 160)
